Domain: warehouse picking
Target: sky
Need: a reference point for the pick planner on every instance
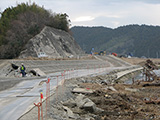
(107, 13)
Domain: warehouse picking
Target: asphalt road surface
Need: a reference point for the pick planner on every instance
(16, 101)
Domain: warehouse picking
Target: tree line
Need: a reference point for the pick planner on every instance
(140, 40)
(19, 24)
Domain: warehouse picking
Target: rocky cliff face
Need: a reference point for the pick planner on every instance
(54, 43)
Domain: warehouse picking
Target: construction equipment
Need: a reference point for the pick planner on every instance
(102, 53)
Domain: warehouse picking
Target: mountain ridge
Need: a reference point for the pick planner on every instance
(140, 40)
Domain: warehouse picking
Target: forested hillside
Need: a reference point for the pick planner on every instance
(139, 40)
(19, 24)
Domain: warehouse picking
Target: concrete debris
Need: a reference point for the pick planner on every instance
(14, 66)
(89, 106)
(110, 79)
(131, 89)
(150, 65)
(37, 72)
(148, 72)
(82, 90)
(151, 84)
(80, 100)
(71, 103)
(70, 113)
(151, 101)
(14, 71)
(110, 88)
(107, 102)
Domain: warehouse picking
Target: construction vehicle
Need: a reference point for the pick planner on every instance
(102, 53)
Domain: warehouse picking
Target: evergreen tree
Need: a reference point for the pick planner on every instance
(19, 24)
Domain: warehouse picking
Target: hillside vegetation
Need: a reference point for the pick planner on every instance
(139, 40)
(19, 24)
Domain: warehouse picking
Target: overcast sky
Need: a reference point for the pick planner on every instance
(107, 13)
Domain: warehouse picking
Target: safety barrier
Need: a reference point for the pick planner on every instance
(66, 74)
(39, 105)
(47, 97)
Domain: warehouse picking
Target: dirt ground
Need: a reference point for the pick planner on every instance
(125, 104)
(140, 61)
(115, 101)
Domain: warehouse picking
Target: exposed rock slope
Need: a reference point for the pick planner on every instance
(53, 42)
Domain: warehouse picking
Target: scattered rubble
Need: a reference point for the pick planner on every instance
(37, 72)
(82, 90)
(107, 102)
(102, 98)
(112, 101)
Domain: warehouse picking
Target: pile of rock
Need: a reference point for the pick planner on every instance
(81, 104)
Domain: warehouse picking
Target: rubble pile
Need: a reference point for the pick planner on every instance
(150, 65)
(88, 99)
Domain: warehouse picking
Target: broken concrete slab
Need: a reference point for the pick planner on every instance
(82, 90)
(98, 110)
(79, 100)
(131, 89)
(80, 96)
(111, 88)
(70, 103)
(70, 113)
(89, 106)
(80, 103)
(38, 72)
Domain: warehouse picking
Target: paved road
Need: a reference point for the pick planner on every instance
(16, 101)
